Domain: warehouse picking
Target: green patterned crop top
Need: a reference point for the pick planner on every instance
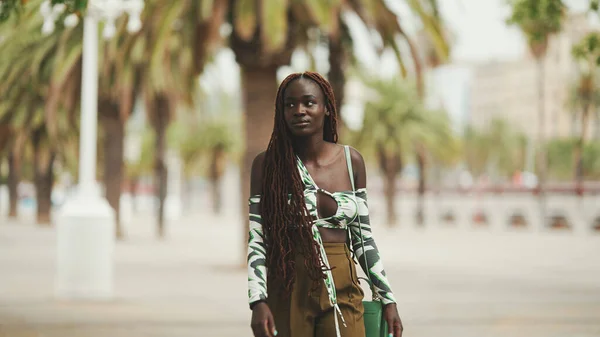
(351, 205)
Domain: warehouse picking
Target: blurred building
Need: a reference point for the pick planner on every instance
(509, 90)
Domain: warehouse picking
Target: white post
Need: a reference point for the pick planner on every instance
(85, 226)
(89, 105)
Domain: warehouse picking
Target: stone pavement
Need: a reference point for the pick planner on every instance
(450, 282)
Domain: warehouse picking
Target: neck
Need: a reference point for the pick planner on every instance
(310, 148)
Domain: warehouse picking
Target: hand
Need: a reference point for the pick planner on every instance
(390, 314)
(263, 324)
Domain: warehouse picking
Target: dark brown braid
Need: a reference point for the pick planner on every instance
(287, 226)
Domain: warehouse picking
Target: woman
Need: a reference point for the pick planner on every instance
(307, 193)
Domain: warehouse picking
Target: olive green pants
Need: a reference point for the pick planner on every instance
(311, 315)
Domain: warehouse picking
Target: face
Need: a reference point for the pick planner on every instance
(304, 107)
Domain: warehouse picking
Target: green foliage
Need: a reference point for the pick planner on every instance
(196, 136)
(72, 5)
(538, 19)
(498, 148)
(560, 159)
(591, 160)
(396, 121)
(587, 50)
(144, 164)
(40, 75)
(9, 8)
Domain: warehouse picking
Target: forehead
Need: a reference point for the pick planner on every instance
(302, 87)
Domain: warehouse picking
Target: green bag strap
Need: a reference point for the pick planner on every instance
(362, 241)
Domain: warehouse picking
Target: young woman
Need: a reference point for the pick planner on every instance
(307, 194)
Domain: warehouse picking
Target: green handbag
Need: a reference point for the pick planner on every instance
(375, 325)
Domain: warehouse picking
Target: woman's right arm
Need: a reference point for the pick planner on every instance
(262, 323)
(257, 251)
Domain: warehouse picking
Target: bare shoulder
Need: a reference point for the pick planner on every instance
(358, 162)
(358, 166)
(256, 174)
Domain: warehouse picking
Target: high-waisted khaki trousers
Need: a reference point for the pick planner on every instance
(310, 315)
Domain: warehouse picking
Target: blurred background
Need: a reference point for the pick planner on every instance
(127, 130)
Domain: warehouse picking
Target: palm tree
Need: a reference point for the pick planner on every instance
(41, 79)
(207, 140)
(206, 146)
(538, 20)
(587, 95)
(477, 150)
(135, 170)
(395, 121)
(166, 75)
(434, 44)
(264, 41)
(595, 6)
(177, 40)
(498, 150)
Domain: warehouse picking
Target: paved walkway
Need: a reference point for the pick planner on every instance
(450, 282)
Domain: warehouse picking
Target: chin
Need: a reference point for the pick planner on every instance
(303, 133)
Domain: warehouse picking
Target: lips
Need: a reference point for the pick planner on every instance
(301, 123)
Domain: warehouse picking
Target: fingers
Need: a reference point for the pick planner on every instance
(272, 329)
(394, 327)
(398, 329)
(390, 326)
(264, 328)
(269, 327)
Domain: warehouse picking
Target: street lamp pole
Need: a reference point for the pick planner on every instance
(89, 107)
(86, 223)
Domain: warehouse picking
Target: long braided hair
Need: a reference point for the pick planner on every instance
(287, 225)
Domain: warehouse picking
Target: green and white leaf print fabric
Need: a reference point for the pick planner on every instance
(351, 206)
(257, 254)
(375, 269)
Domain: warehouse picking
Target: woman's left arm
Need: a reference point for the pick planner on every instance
(374, 269)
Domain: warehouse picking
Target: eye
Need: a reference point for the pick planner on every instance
(310, 103)
(289, 105)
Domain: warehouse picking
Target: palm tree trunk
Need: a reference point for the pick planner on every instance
(579, 151)
(215, 192)
(216, 172)
(188, 190)
(390, 165)
(134, 181)
(337, 77)
(43, 162)
(390, 197)
(14, 176)
(259, 87)
(114, 136)
(421, 190)
(161, 114)
(542, 161)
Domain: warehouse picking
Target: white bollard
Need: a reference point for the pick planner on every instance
(3, 200)
(85, 248)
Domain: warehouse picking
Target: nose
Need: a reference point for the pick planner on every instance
(300, 110)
